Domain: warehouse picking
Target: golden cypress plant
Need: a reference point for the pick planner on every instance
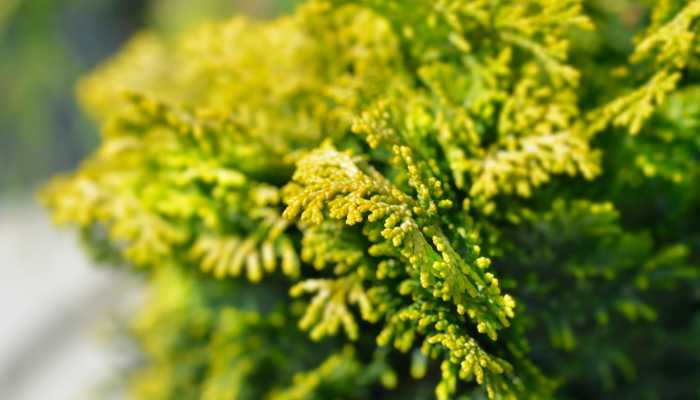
(406, 199)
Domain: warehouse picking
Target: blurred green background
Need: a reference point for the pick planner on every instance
(46, 45)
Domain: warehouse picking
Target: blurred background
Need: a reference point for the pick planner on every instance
(59, 312)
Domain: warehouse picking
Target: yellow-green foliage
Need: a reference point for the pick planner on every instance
(441, 178)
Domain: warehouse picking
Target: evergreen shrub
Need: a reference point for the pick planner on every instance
(406, 200)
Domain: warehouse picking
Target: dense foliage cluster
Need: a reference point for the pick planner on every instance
(406, 199)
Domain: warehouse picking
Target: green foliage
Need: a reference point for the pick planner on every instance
(449, 198)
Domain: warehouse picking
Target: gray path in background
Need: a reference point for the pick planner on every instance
(52, 303)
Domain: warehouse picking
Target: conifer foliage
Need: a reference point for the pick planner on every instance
(405, 199)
